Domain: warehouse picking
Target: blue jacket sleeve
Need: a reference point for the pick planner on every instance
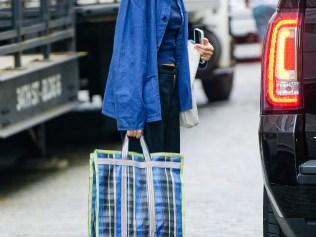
(131, 53)
(203, 66)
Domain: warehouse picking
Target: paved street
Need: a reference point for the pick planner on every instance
(222, 169)
(223, 181)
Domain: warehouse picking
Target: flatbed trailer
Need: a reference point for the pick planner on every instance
(39, 74)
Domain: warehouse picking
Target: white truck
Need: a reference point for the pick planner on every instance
(41, 71)
(217, 79)
(95, 23)
(95, 29)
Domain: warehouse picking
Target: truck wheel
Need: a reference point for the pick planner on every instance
(271, 227)
(218, 85)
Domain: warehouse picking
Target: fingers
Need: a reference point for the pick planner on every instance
(206, 45)
(205, 41)
(139, 133)
(135, 133)
(130, 133)
(206, 54)
(206, 50)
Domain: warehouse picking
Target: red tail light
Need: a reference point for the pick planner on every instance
(280, 72)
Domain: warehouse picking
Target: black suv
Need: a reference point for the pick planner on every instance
(288, 121)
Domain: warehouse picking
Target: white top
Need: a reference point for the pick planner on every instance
(255, 3)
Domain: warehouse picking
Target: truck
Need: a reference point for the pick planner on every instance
(94, 17)
(54, 62)
(39, 72)
(95, 28)
(287, 131)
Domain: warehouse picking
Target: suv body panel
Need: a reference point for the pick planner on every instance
(288, 138)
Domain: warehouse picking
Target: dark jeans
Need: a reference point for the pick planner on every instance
(164, 135)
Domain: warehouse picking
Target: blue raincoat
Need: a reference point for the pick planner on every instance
(132, 91)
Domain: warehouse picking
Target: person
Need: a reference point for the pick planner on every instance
(148, 82)
(262, 12)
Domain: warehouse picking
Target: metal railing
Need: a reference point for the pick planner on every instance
(94, 2)
(27, 25)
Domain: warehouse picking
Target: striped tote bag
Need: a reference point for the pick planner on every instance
(135, 195)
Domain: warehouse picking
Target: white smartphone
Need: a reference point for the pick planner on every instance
(198, 36)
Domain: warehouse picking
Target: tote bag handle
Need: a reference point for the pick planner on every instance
(143, 144)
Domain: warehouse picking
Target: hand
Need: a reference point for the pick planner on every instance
(206, 50)
(135, 133)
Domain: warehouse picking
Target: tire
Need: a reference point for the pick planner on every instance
(218, 85)
(271, 227)
(214, 61)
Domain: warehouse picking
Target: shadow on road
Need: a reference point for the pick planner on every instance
(28, 171)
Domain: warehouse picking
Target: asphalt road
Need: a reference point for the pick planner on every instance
(223, 181)
(222, 169)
